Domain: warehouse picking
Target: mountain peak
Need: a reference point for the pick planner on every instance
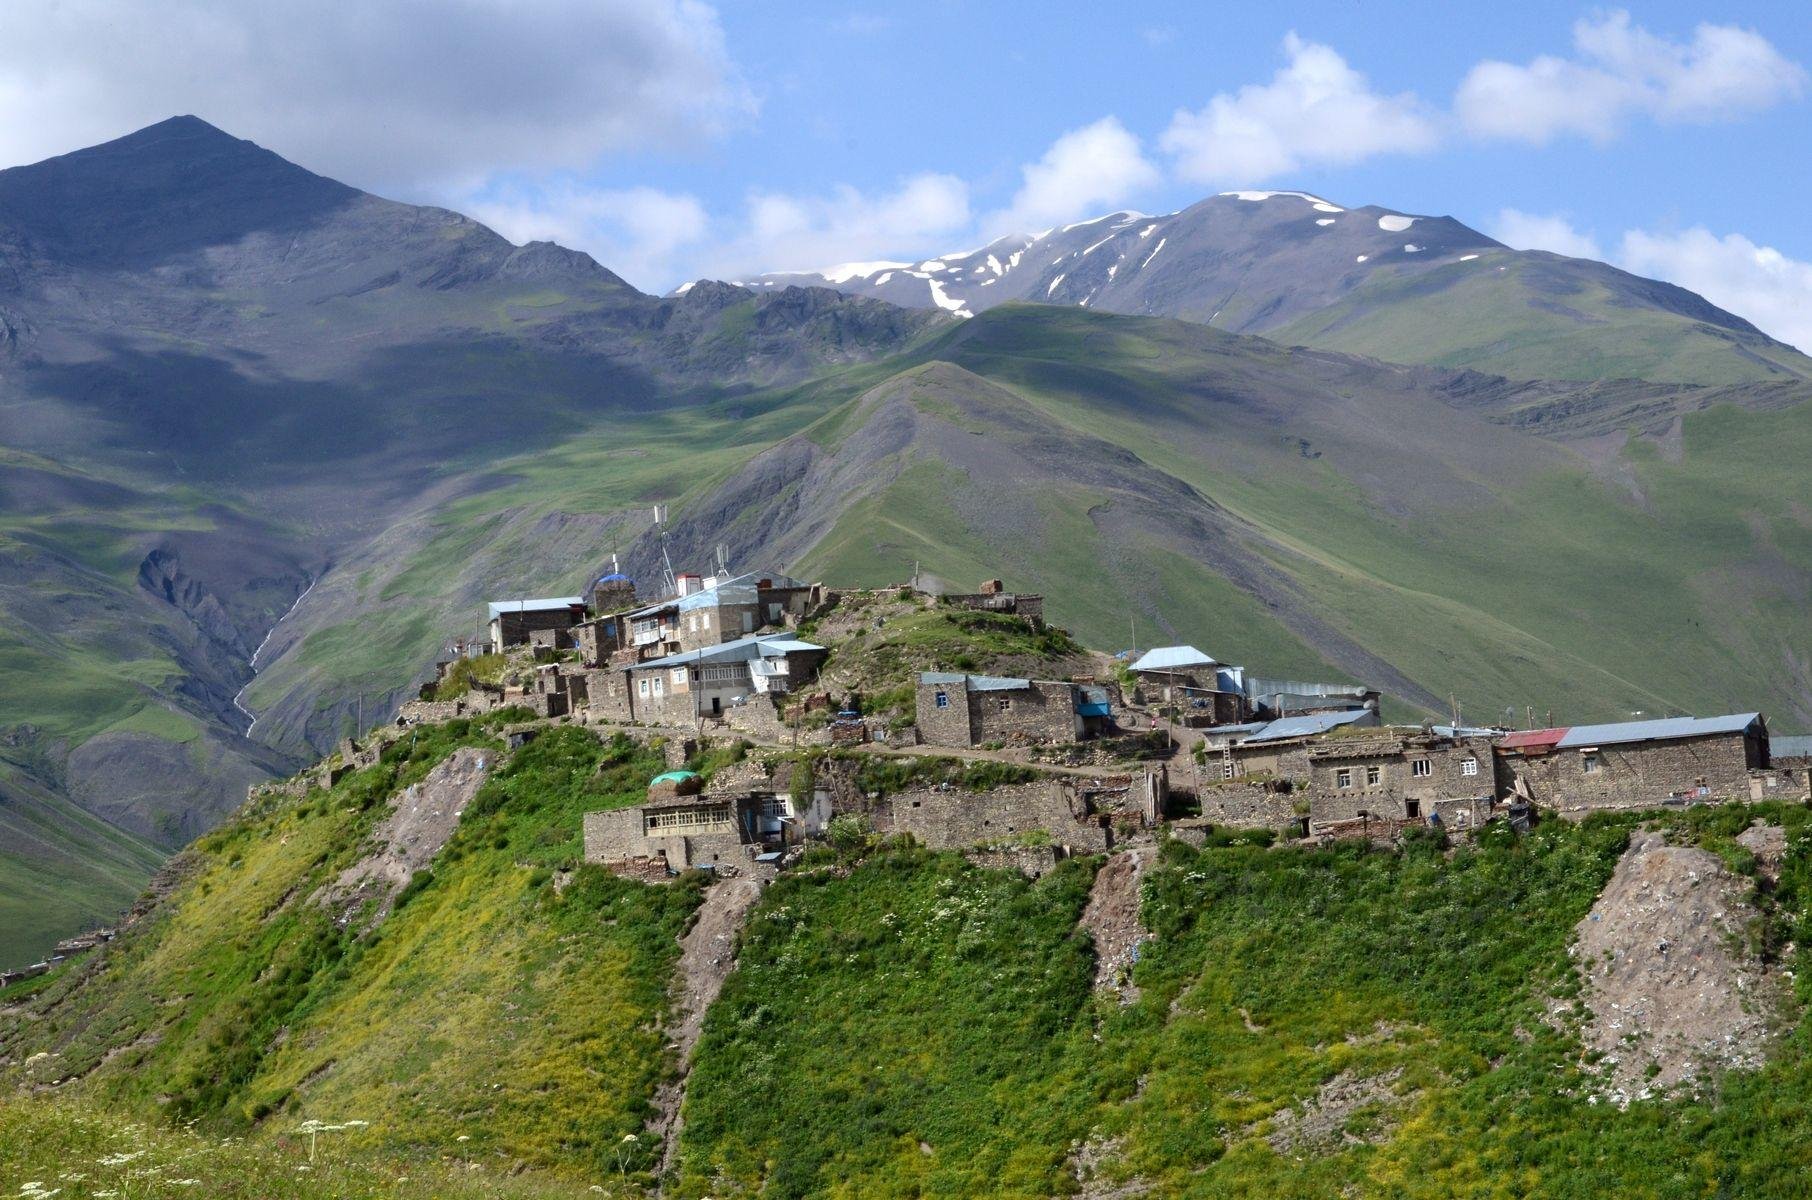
(170, 188)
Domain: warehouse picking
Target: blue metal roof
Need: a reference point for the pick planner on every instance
(1668, 729)
(739, 650)
(1172, 658)
(976, 683)
(1307, 726)
(499, 607)
(1791, 746)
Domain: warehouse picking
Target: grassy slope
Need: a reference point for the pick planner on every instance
(492, 1006)
(64, 869)
(924, 1027)
(1562, 591)
(1475, 315)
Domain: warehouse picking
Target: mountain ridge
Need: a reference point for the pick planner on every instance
(338, 437)
(1304, 270)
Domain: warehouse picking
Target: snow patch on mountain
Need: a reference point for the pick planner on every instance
(1395, 223)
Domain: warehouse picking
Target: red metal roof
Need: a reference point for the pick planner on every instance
(1532, 739)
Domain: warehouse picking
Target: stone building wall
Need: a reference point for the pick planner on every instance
(618, 836)
(518, 628)
(1279, 760)
(1249, 806)
(949, 724)
(607, 696)
(951, 818)
(1398, 792)
(1043, 712)
(1640, 775)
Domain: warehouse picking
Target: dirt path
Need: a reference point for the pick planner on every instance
(1673, 988)
(707, 956)
(421, 820)
(1112, 919)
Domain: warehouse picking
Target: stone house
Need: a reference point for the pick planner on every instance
(1403, 775)
(1199, 689)
(714, 830)
(994, 597)
(972, 710)
(514, 622)
(1280, 748)
(704, 682)
(1637, 764)
(708, 611)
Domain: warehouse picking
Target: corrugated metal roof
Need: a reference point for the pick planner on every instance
(1530, 739)
(1666, 730)
(1172, 658)
(1791, 746)
(737, 651)
(1257, 687)
(976, 683)
(549, 604)
(1307, 726)
(1462, 731)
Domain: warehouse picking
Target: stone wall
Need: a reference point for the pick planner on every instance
(1250, 806)
(1639, 775)
(947, 724)
(1278, 760)
(619, 836)
(951, 818)
(1030, 861)
(607, 696)
(518, 628)
(1043, 712)
(1378, 775)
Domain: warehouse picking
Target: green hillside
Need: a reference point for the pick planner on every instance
(1537, 316)
(898, 1023)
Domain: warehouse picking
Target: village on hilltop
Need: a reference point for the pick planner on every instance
(1107, 750)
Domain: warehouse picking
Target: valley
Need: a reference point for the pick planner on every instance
(302, 399)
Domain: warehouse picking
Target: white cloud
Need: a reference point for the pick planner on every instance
(1316, 111)
(639, 233)
(1085, 171)
(1620, 70)
(1529, 231)
(417, 96)
(1758, 283)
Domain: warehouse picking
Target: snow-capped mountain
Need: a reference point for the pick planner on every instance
(1243, 261)
(1391, 285)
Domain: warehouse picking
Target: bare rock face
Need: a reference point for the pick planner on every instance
(1673, 990)
(423, 818)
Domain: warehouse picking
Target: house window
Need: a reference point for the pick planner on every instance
(1421, 768)
(943, 700)
(1469, 766)
(1343, 777)
(1372, 776)
(704, 620)
(641, 687)
(660, 686)
(1004, 704)
(1589, 763)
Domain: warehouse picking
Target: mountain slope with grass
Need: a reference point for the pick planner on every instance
(896, 1022)
(1305, 271)
(266, 455)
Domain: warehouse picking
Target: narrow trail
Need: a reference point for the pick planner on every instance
(707, 956)
(260, 650)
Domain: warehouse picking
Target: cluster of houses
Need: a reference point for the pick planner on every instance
(723, 653)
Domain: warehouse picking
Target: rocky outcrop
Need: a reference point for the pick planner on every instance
(1674, 990)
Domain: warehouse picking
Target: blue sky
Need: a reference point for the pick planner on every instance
(674, 138)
